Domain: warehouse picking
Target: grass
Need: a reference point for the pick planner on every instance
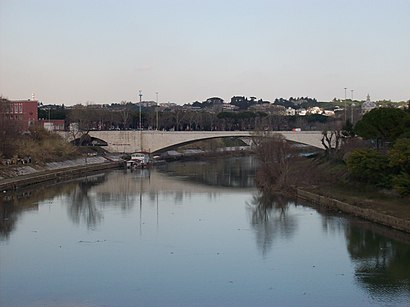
(332, 180)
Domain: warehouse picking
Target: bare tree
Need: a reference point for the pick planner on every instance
(333, 137)
(332, 140)
(81, 120)
(9, 129)
(179, 116)
(277, 158)
(125, 113)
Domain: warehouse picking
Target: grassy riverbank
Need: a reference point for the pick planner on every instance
(331, 181)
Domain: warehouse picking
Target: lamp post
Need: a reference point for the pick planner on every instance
(157, 110)
(352, 110)
(140, 94)
(345, 106)
(140, 108)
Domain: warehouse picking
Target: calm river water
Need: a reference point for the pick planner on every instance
(191, 234)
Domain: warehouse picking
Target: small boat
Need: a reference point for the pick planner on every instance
(139, 160)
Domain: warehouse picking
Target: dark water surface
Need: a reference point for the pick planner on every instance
(191, 234)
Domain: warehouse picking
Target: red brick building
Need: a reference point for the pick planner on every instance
(24, 112)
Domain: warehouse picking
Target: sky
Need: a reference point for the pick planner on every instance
(104, 51)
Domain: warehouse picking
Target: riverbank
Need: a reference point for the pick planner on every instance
(396, 216)
(12, 178)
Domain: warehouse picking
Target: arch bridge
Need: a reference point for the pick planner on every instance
(127, 141)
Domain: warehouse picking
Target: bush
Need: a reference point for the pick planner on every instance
(370, 166)
(401, 183)
(399, 155)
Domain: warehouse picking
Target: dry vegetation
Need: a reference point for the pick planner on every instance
(39, 146)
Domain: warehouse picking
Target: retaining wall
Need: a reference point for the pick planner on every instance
(368, 214)
(53, 175)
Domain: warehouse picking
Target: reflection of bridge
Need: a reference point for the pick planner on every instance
(151, 182)
(152, 141)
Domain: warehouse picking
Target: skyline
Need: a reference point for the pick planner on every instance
(69, 52)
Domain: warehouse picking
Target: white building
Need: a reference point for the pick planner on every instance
(368, 105)
(290, 111)
(301, 112)
(315, 110)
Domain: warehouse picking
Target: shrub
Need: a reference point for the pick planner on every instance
(370, 166)
(401, 183)
(399, 155)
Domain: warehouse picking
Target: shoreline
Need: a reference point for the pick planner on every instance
(354, 210)
(61, 174)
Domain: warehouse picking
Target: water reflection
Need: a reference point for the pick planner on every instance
(382, 265)
(82, 205)
(238, 172)
(269, 219)
(14, 204)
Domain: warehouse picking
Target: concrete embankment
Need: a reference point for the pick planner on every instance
(57, 171)
(365, 213)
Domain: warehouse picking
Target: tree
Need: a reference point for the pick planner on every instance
(277, 159)
(383, 125)
(399, 157)
(331, 140)
(333, 137)
(9, 130)
(84, 119)
(125, 114)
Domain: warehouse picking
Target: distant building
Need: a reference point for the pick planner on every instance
(368, 105)
(215, 101)
(301, 112)
(52, 125)
(24, 112)
(290, 111)
(329, 113)
(230, 107)
(168, 104)
(314, 110)
(147, 104)
(238, 99)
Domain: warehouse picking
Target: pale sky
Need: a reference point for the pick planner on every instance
(78, 51)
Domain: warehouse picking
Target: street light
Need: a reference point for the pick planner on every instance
(140, 108)
(345, 106)
(157, 109)
(352, 110)
(140, 121)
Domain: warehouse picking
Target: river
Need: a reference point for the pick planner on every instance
(191, 234)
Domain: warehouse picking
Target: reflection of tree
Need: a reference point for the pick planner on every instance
(14, 204)
(83, 206)
(8, 219)
(382, 265)
(269, 219)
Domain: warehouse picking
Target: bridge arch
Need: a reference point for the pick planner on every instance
(88, 141)
(178, 144)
